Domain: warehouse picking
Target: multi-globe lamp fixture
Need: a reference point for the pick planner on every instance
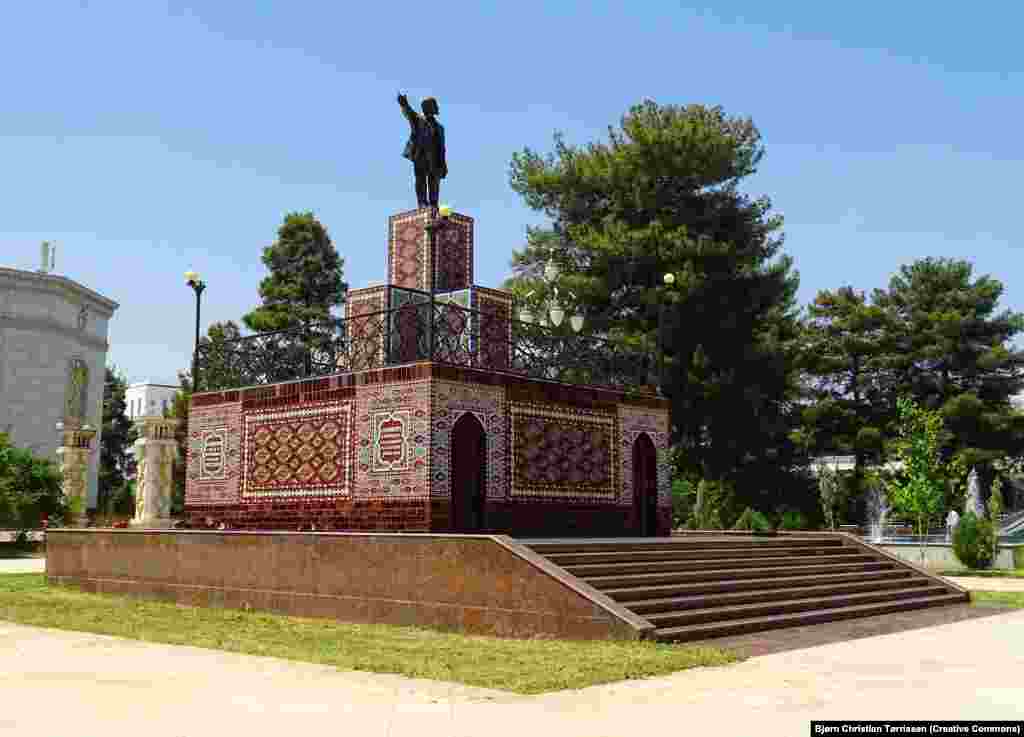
(556, 311)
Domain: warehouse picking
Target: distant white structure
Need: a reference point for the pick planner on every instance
(846, 463)
(53, 359)
(146, 398)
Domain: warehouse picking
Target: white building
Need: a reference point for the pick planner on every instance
(146, 398)
(53, 358)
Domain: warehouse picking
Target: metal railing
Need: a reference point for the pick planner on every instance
(422, 330)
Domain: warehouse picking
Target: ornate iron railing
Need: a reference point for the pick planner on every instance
(449, 334)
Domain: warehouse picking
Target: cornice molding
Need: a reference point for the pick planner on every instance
(56, 285)
(47, 325)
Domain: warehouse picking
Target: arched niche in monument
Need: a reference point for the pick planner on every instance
(645, 486)
(469, 475)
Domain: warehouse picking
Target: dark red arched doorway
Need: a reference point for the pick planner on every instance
(645, 486)
(469, 475)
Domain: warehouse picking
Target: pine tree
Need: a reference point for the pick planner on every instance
(956, 356)
(661, 195)
(115, 439)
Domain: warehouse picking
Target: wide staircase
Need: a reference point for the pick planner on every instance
(699, 587)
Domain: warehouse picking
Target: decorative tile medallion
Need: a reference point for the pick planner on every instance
(393, 439)
(450, 402)
(297, 452)
(213, 461)
(634, 422)
(213, 456)
(564, 453)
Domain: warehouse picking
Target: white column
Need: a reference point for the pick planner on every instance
(156, 452)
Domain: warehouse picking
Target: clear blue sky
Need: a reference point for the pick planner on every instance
(147, 138)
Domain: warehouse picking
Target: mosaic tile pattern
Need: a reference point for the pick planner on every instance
(409, 342)
(633, 422)
(450, 402)
(407, 257)
(364, 312)
(564, 453)
(213, 456)
(297, 452)
(495, 327)
(393, 440)
(455, 253)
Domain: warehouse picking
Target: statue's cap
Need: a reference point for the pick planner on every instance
(430, 106)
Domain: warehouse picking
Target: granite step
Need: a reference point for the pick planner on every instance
(631, 556)
(711, 630)
(721, 575)
(678, 618)
(702, 564)
(644, 607)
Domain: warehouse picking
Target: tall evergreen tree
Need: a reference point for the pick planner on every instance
(848, 352)
(662, 196)
(306, 277)
(115, 439)
(955, 356)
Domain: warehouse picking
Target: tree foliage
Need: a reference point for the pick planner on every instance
(29, 487)
(919, 487)
(306, 277)
(662, 195)
(115, 440)
(955, 355)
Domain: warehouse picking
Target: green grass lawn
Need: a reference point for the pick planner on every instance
(520, 666)
(987, 573)
(998, 598)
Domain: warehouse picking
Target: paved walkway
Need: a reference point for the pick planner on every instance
(22, 565)
(110, 686)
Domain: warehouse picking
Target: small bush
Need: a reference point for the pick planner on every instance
(793, 520)
(974, 542)
(683, 496)
(753, 520)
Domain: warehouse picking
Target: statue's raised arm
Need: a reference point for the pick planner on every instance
(407, 110)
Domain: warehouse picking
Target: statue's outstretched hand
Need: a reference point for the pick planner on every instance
(402, 100)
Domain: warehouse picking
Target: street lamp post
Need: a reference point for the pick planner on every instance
(198, 285)
(669, 280)
(432, 227)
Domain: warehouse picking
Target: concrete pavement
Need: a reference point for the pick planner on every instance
(110, 686)
(22, 565)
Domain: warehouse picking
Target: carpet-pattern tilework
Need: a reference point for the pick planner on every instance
(450, 402)
(407, 257)
(564, 453)
(365, 313)
(393, 440)
(495, 329)
(298, 452)
(213, 458)
(455, 253)
(633, 422)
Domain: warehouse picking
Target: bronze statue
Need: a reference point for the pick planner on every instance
(425, 150)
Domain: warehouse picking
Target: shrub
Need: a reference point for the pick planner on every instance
(715, 496)
(974, 541)
(683, 496)
(793, 520)
(753, 520)
(29, 487)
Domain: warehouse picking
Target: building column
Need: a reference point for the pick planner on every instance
(73, 461)
(156, 451)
